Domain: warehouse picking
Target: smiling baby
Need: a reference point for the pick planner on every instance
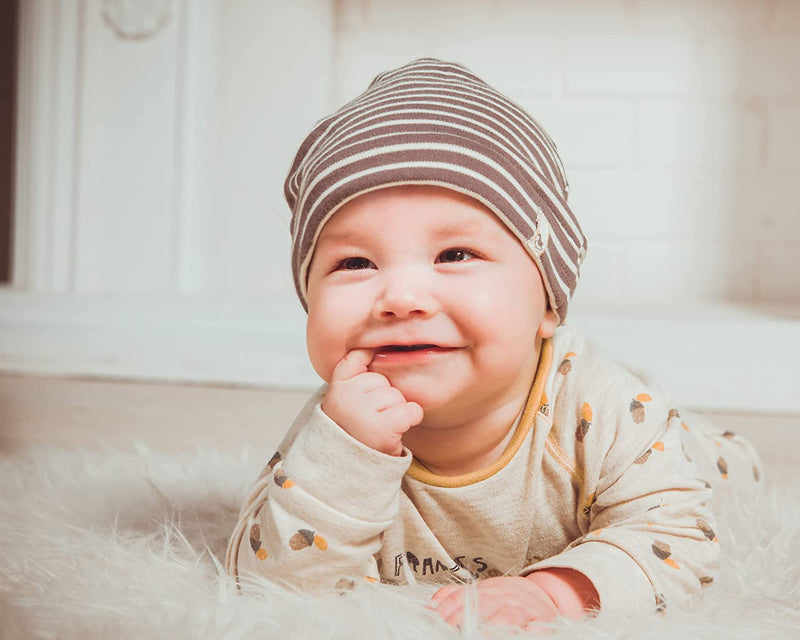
(465, 432)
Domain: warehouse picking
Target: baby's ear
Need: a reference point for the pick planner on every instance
(548, 325)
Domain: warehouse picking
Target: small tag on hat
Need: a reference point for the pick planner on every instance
(539, 240)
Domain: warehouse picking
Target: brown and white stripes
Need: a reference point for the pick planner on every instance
(435, 123)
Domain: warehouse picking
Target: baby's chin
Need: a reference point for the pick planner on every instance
(435, 401)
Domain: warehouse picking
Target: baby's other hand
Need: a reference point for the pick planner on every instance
(367, 406)
(523, 602)
(507, 601)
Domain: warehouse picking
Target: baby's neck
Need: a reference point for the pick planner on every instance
(467, 447)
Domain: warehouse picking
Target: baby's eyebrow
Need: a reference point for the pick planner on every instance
(341, 237)
(469, 229)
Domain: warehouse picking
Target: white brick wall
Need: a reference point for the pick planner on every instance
(151, 240)
(679, 124)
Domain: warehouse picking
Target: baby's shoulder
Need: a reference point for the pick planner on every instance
(585, 378)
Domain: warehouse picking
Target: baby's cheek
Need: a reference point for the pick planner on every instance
(322, 350)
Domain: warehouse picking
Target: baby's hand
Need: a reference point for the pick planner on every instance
(510, 601)
(367, 406)
(523, 602)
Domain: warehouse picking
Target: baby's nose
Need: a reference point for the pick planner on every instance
(405, 294)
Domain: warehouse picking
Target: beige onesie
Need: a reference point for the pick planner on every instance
(602, 475)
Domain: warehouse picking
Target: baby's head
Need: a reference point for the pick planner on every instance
(434, 135)
(435, 123)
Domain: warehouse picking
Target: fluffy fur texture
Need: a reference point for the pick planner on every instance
(128, 544)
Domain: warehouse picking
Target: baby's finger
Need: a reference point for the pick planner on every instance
(451, 608)
(407, 414)
(384, 396)
(442, 593)
(353, 363)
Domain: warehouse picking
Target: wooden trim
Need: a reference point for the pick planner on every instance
(48, 94)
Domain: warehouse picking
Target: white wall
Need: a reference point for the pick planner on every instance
(152, 238)
(678, 121)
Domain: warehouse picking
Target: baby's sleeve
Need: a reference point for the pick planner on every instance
(648, 532)
(315, 517)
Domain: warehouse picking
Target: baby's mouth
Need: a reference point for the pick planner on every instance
(393, 348)
(408, 353)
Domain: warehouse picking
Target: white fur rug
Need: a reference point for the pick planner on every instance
(128, 544)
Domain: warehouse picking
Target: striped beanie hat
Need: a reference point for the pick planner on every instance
(436, 123)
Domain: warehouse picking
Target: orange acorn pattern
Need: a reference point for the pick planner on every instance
(255, 542)
(585, 422)
(566, 364)
(706, 580)
(304, 538)
(657, 446)
(282, 480)
(637, 407)
(708, 532)
(664, 552)
(723, 467)
(544, 407)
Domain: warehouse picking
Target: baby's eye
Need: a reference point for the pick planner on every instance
(455, 255)
(352, 264)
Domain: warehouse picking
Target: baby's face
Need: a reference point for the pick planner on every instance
(450, 302)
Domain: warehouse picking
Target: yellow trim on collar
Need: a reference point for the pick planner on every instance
(419, 472)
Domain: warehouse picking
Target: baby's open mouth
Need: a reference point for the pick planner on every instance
(407, 347)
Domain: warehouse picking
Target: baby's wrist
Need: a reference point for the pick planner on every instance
(571, 591)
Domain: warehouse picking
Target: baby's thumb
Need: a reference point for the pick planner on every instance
(354, 363)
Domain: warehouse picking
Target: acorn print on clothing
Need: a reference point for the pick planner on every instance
(566, 364)
(673, 413)
(282, 480)
(255, 542)
(544, 407)
(637, 407)
(585, 422)
(706, 580)
(708, 532)
(304, 538)
(664, 552)
(661, 604)
(587, 506)
(723, 467)
(756, 474)
(657, 446)
(275, 459)
(345, 584)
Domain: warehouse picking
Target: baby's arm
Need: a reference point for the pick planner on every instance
(315, 517)
(648, 539)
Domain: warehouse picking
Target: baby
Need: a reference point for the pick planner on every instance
(465, 432)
